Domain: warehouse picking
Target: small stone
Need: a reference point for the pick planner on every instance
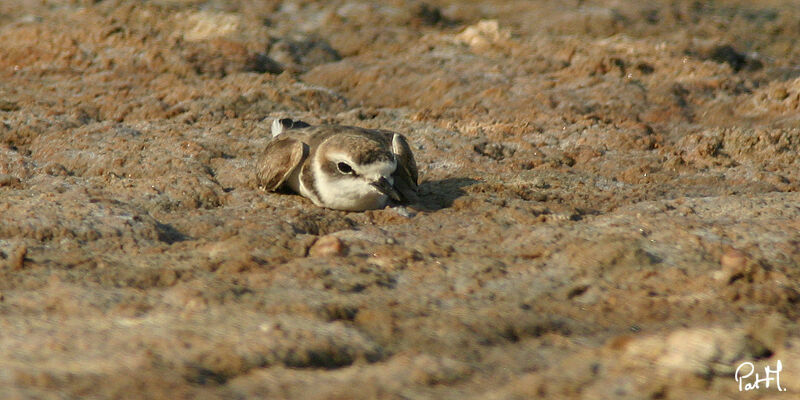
(326, 246)
(430, 370)
(779, 94)
(483, 35)
(15, 258)
(495, 151)
(262, 63)
(404, 211)
(685, 210)
(8, 180)
(7, 105)
(205, 25)
(302, 52)
(733, 259)
(540, 183)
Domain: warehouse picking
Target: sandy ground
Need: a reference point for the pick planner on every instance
(610, 203)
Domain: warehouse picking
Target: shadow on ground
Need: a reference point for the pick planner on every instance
(439, 194)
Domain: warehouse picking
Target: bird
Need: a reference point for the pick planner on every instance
(339, 167)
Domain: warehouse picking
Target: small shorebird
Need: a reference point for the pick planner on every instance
(339, 167)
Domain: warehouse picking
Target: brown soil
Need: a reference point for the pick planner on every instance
(610, 202)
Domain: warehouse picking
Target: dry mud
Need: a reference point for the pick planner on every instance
(609, 208)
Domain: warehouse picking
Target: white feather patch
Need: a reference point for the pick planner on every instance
(277, 127)
(377, 170)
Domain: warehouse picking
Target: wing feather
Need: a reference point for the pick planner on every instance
(406, 176)
(281, 156)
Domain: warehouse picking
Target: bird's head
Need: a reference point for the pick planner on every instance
(356, 173)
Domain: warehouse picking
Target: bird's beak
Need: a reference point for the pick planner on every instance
(386, 188)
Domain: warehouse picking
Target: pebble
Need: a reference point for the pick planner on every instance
(733, 259)
(326, 246)
(15, 258)
(404, 212)
(8, 180)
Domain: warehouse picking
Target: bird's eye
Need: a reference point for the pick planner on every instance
(344, 168)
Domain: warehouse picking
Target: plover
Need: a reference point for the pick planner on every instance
(339, 167)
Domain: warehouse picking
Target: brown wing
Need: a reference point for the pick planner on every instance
(406, 176)
(280, 158)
